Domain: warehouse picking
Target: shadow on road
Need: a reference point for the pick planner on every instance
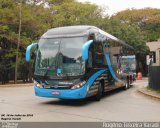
(62, 102)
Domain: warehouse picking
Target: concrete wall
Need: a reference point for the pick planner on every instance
(155, 47)
(154, 81)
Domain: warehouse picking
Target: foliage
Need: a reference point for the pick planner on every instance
(73, 13)
(130, 33)
(135, 27)
(147, 19)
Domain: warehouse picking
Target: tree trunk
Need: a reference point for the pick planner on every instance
(30, 73)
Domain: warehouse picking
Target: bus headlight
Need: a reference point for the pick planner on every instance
(79, 85)
(38, 84)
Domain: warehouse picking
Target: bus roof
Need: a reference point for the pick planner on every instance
(68, 31)
(79, 30)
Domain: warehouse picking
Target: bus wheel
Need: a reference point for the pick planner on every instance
(129, 84)
(99, 92)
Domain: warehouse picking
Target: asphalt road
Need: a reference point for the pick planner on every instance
(117, 105)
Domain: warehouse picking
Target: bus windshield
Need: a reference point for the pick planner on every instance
(63, 53)
(128, 63)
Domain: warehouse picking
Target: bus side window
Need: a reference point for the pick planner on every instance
(98, 55)
(90, 57)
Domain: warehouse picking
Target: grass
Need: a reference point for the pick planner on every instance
(148, 88)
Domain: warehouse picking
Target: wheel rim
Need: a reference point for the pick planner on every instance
(126, 85)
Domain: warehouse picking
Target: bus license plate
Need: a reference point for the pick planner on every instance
(55, 93)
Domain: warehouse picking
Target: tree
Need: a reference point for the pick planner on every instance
(133, 26)
(74, 13)
(32, 28)
(132, 35)
(36, 19)
(148, 19)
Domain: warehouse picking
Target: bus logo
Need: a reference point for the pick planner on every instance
(56, 86)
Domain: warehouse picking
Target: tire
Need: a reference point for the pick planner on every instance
(99, 92)
(129, 82)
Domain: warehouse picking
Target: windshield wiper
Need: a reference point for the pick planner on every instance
(45, 74)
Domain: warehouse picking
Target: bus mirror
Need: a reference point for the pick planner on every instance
(85, 49)
(28, 51)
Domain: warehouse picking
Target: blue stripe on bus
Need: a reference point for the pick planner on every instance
(69, 93)
(94, 77)
(77, 93)
(85, 49)
(110, 67)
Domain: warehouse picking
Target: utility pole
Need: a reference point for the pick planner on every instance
(19, 38)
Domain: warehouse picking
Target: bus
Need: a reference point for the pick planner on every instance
(76, 62)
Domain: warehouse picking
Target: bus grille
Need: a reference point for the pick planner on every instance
(57, 86)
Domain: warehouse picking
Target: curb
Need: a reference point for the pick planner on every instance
(150, 94)
(17, 85)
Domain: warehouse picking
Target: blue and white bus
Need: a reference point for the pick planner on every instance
(76, 62)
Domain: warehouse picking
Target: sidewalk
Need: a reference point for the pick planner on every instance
(16, 85)
(149, 92)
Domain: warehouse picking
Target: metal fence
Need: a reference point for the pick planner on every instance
(154, 77)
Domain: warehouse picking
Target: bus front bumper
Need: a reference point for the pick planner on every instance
(62, 94)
